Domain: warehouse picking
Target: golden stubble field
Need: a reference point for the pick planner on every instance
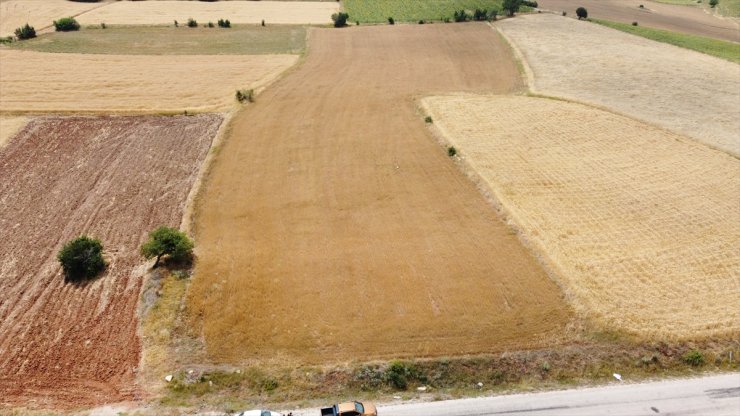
(165, 12)
(640, 224)
(685, 91)
(9, 126)
(39, 82)
(38, 13)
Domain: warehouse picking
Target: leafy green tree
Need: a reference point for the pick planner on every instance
(340, 19)
(511, 6)
(66, 24)
(82, 258)
(167, 241)
(582, 13)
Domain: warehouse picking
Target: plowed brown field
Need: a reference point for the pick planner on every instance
(115, 178)
(641, 224)
(334, 227)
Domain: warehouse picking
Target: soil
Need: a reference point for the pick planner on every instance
(678, 18)
(645, 234)
(333, 227)
(65, 345)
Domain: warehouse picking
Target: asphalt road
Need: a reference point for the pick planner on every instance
(715, 395)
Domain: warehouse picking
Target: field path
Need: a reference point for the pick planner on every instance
(334, 227)
(66, 345)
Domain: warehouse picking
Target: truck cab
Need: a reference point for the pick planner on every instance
(350, 409)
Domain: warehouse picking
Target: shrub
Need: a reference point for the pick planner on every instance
(634, 23)
(81, 258)
(391, 21)
(528, 3)
(446, 19)
(480, 15)
(460, 16)
(713, 3)
(245, 95)
(582, 13)
(565, 13)
(397, 375)
(165, 241)
(494, 14)
(177, 24)
(224, 23)
(340, 19)
(103, 25)
(428, 119)
(25, 32)
(6, 39)
(192, 22)
(66, 24)
(421, 22)
(694, 358)
(451, 151)
(511, 6)
(263, 22)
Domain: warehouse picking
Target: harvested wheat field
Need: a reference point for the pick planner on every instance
(39, 82)
(685, 91)
(38, 13)
(69, 345)
(640, 224)
(673, 17)
(166, 12)
(332, 227)
(9, 126)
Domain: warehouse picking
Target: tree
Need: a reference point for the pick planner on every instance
(66, 24)
(81, 258)
(511, 6)
(582, 13)
(340, 19)
(713, 2)
(25, 32)
(167, 241)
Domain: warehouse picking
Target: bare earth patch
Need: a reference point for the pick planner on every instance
(333, 228)
(166, 12)
(38, 13)
(34, 81)
(685, 91)
(640, 224)
(9, 126)
(115, 178)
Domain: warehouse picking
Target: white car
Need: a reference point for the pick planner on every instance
(259, 413)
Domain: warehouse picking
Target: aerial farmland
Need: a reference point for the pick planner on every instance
(290, 204)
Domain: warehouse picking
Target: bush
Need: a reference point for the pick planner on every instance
(340, 19)
(66, 24)
(210, 24)
(428, 119)
(25, 32)
(713, 3)
(165, 241)
(6, 39)
(634, 23)
(480, 15)
(391, 21)
(224, 23)
(694, 358)
(511, 6)
(460, 16)
(528, 3)
(192, 22)
(103, 25)
(81, 258)
(582, 13)
(493, 15)
(451, 151)
(398, 374)
(245, 95)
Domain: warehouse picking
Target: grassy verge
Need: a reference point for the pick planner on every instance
(729, 8)
(124, 40)
(377, 11)
(721, 49)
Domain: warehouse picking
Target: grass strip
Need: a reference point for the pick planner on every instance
(377, 11)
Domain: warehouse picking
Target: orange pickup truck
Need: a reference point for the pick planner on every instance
(350, 409)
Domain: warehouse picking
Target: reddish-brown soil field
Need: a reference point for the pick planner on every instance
(678, 18)
(334, 227)
(115, 178)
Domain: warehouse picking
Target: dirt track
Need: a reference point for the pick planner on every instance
(333, 226)
(116, 178)
(686, 19)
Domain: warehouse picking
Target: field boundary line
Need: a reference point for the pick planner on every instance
(528, 73)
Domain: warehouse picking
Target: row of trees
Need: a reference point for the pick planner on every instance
(82, 258)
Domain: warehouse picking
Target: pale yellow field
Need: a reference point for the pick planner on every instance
(33, 81)
(9, 126)
(165, 12)
(38, 13)
(685, 91)
(641, 226)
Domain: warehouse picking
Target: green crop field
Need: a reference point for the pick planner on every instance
(376, 11)
(719, 48)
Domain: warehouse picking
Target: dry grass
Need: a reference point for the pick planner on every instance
(9, 126)
(640, 224)
(682, 90)
(165, 12)
(38, 13)
(32, 81)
